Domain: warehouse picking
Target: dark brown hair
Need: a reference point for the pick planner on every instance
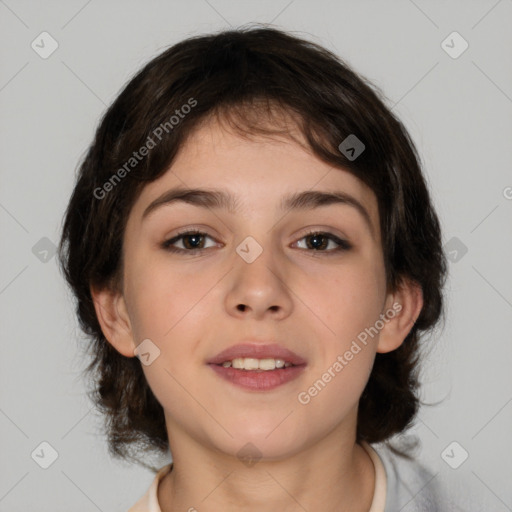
(231, 75)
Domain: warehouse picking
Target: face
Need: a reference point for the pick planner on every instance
(309, 278)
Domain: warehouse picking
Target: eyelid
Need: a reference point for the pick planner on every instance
(202, 230)
(315, 230)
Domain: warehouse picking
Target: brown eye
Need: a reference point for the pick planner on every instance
(194, 241)
(191, 241)
(320, 242)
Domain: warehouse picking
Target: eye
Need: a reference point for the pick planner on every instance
(319, 241)
(191, 241)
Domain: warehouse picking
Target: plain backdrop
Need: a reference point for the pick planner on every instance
(458, 110)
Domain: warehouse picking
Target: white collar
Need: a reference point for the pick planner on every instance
(149, 502)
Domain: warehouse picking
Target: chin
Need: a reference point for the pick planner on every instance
(272, 439)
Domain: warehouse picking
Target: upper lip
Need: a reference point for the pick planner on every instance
(257, 351)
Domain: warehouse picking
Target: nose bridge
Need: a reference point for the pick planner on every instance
(255, 261)
(258, 279)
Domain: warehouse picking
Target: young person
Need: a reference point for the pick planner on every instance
(255, 255)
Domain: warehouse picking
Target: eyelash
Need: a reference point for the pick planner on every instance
(343, 245)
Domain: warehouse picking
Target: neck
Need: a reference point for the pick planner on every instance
(341, 479)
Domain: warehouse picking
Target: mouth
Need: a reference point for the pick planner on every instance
(251, 364)
(257, 367)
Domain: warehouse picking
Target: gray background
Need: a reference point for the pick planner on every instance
(458, 111)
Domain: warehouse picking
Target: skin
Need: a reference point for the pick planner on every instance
(311, 302)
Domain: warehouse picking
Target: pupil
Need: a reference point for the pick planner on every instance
(315, 244)
(195, 243)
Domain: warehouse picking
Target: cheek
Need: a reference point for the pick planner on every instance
(172, 310)
(332, 393)
(348, 305)
(164, 301)
(347, 301)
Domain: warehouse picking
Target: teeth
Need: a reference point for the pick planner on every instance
(250, 363)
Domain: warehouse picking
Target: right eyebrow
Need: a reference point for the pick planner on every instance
(214, 199)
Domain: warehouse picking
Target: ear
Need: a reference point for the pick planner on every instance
(114, 320)
(401, 310)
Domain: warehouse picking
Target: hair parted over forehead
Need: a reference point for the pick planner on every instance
(253, 80)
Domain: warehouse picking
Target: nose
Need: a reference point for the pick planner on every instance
(259, 289)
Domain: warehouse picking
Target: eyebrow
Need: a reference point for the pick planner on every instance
(217, 199)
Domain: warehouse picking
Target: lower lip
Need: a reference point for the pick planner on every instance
(262, 380)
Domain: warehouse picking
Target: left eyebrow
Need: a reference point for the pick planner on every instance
(216, 199)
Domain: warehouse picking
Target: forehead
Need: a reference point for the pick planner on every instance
(257, 170)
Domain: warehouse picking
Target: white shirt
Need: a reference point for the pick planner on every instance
(399, 484)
